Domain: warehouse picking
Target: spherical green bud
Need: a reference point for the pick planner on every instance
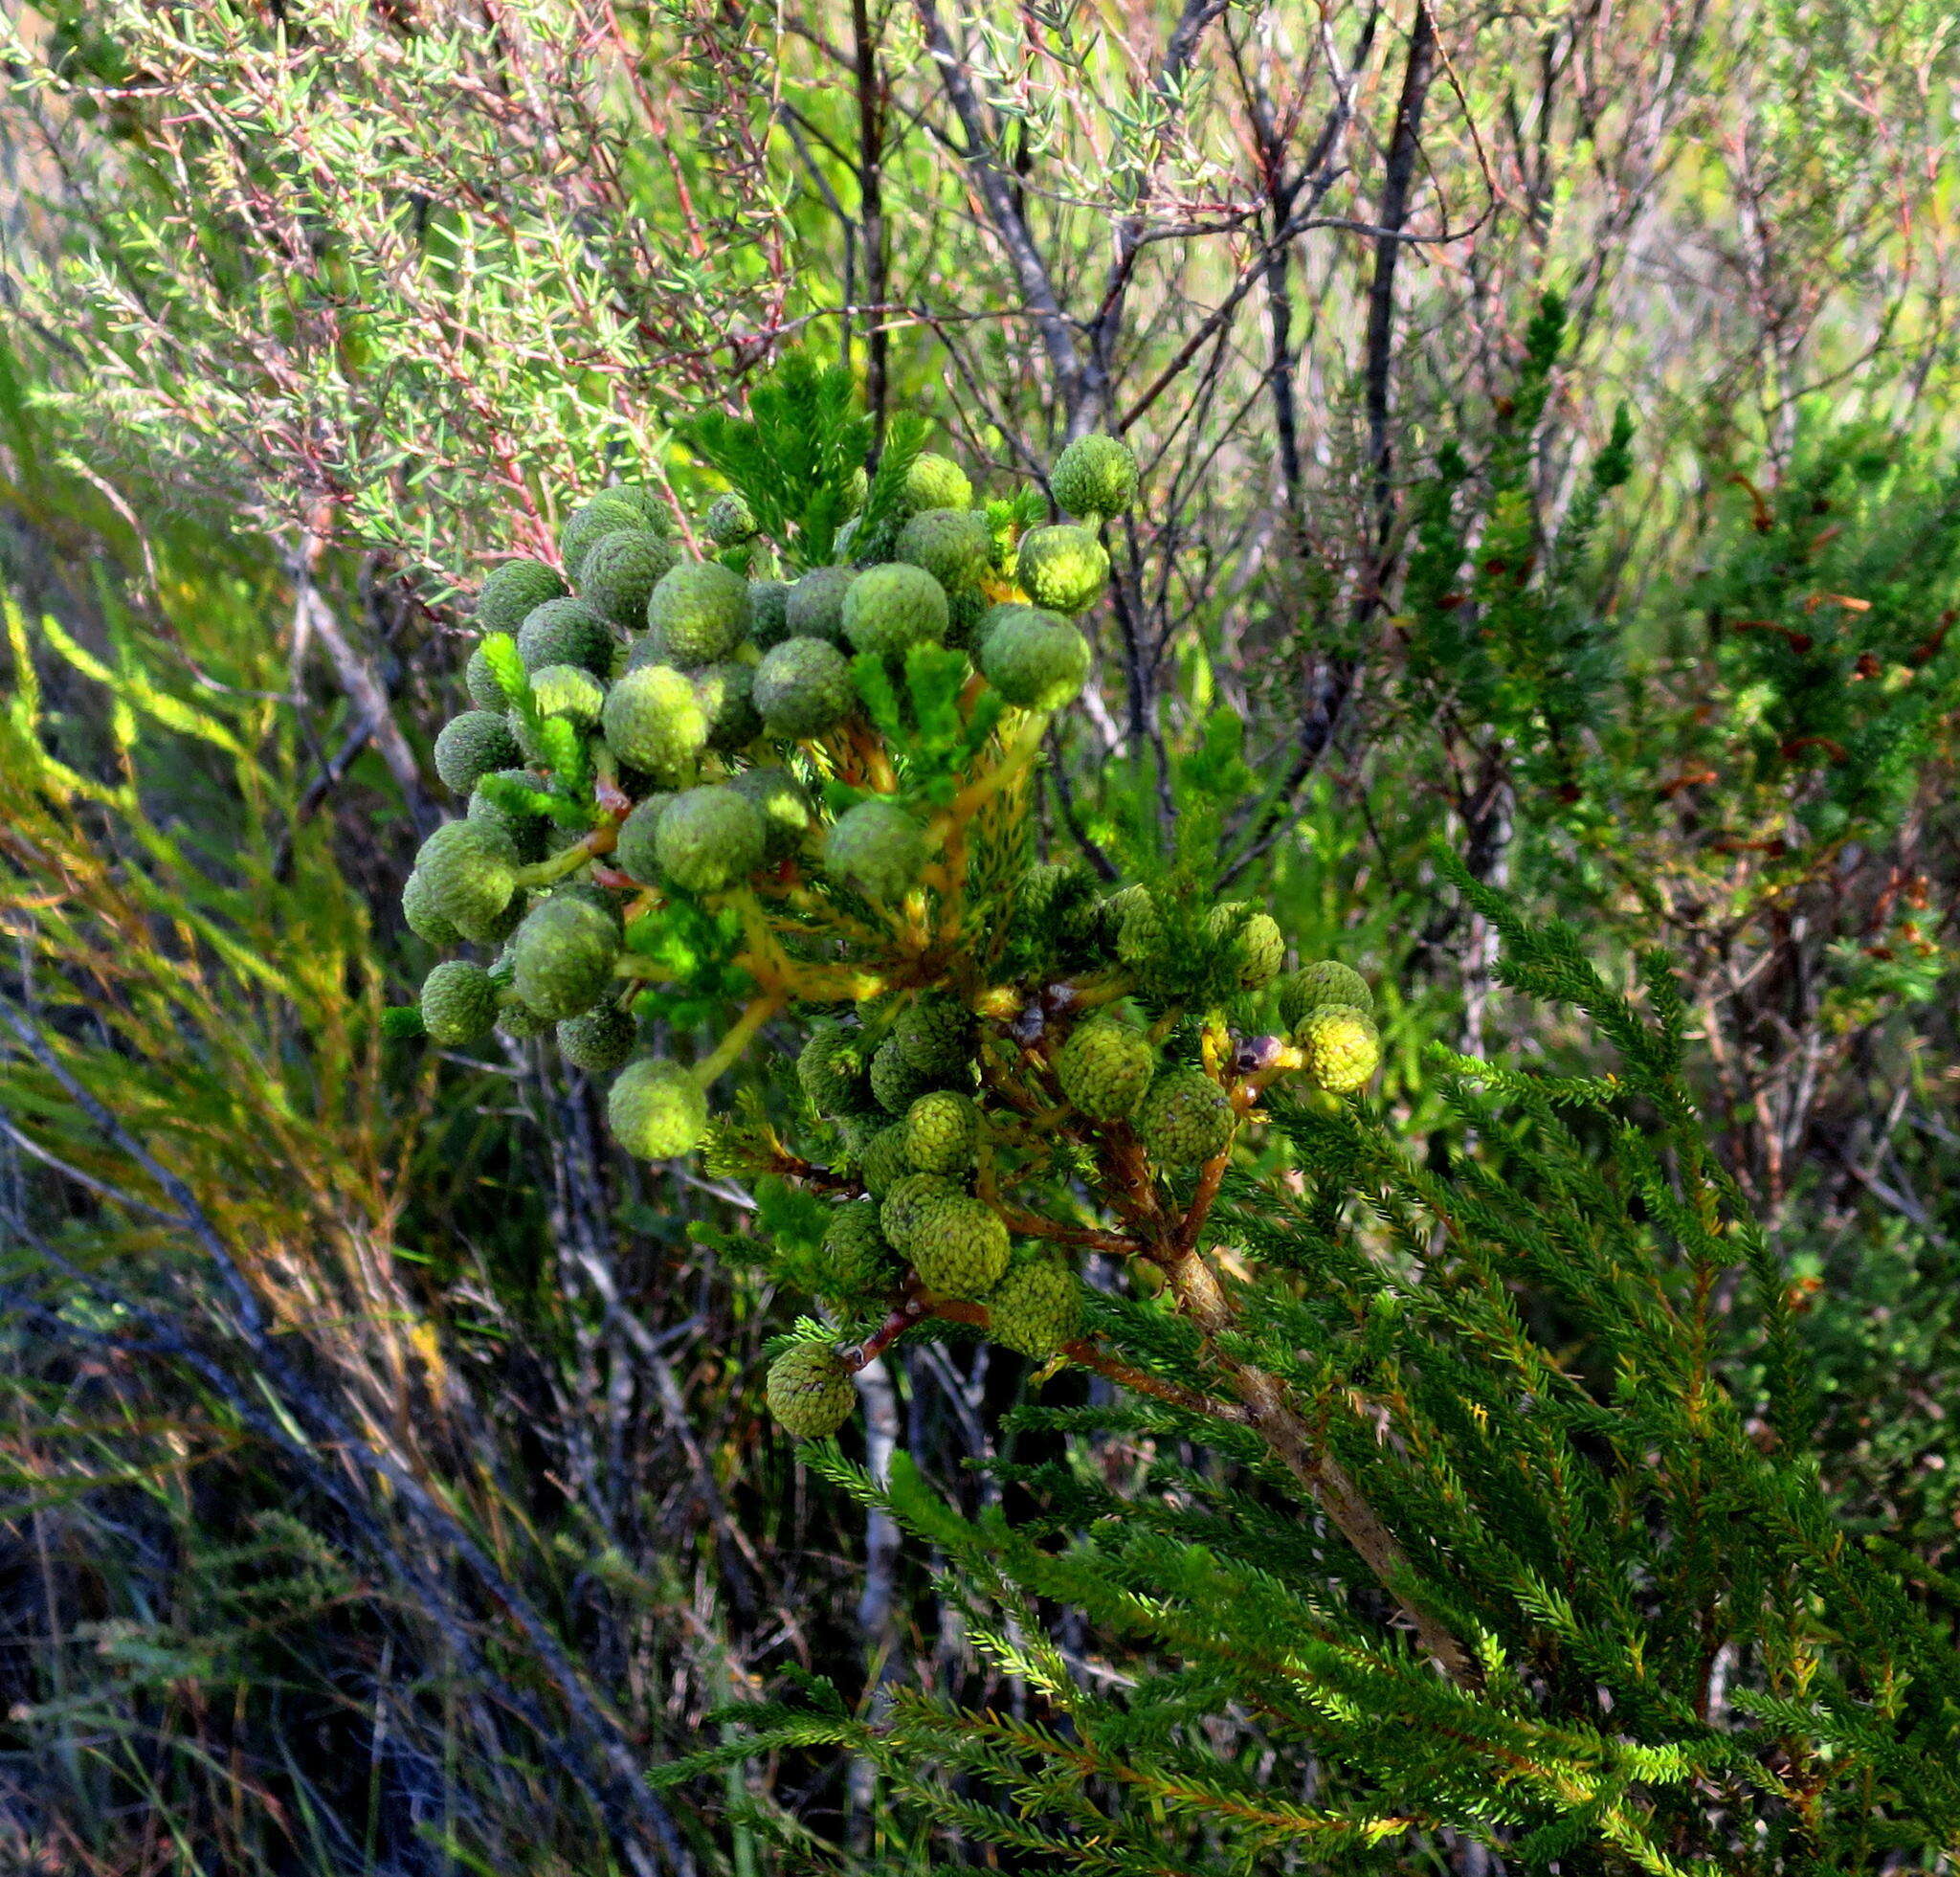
(890, 609)
(656, 1110)
(699, 613)
(1259, 946)
(459, 1004)
(993, 618)
(831, 1067)
(727, 696)
(882, 1163)
(895, 1083)
(809, 1390)
(520, 1022)
(1185, 1120)
(1139, 927)
(528, 829)
(606, 513)
(1064, 569)
(941, 1132)
(955, 546)
(913, 1197)
(567, 631)
(729, 521)
(604, 898)
(619, 573)
(1096, 475)
(601, 1040)
(1037, 659)
(784, 808)
(471, 747)
(470, 871)
(1342, 1046)
(935, 481)
(956, 1246)
(935, 1035)
(860, 1264)
(486, 690)
(1037, 1310)
(710, 840)
(653, 720)
(1105, 1069)
(509, 593)
(1326, 982)
(635, 852)
(803, 688)
(876, 848)
(427, 924)
(562, 954)
(768, 613)
(816, 606)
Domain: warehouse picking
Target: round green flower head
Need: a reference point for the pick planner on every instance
(527, 828)
(1037, 659)
(816, 606)
(1037, 1310)
(942, 1131)
(895, 1084)
(809, 1392)
(1105, 1069)
(803, 688)
(1063, 569)
(419, 909)
(470, 874)
(1259, 946)
(877, 849)
(562, 954)
(485, 689)
(635, 852)
(935, 481)
(783, 806)
(955, 546)
(958, 1246)
(859, 1262)
(710, 840)
(913, 1200)
(1096, 475)
(567, 691)
(520, 1023)
(1342, 1046)
(509, 593)
(1138, 925)
(890, 609)
(935, 1035)
(656, 1110)
(1328, 982)
(601, 1040)
(619, 573)
(699, 613)
(653, 720)
(472, 746)
(606, 513)
(727, 696)
(729, 521)
(567, 631)
(882, 1164)
(768, 613)
(831, 1067)
(459, 1004)
(1185, 1120)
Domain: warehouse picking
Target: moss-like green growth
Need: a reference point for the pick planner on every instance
(698, 614)
(1184, 1119)
(459, 1004)
(1063, 569)
(653, 718)
(1037, 659)
(803, 688)
(567, 631)
(472, 746)
(656, 1110)
(890, 609)
(1096, 475)
(877, 849)
(710, 840)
